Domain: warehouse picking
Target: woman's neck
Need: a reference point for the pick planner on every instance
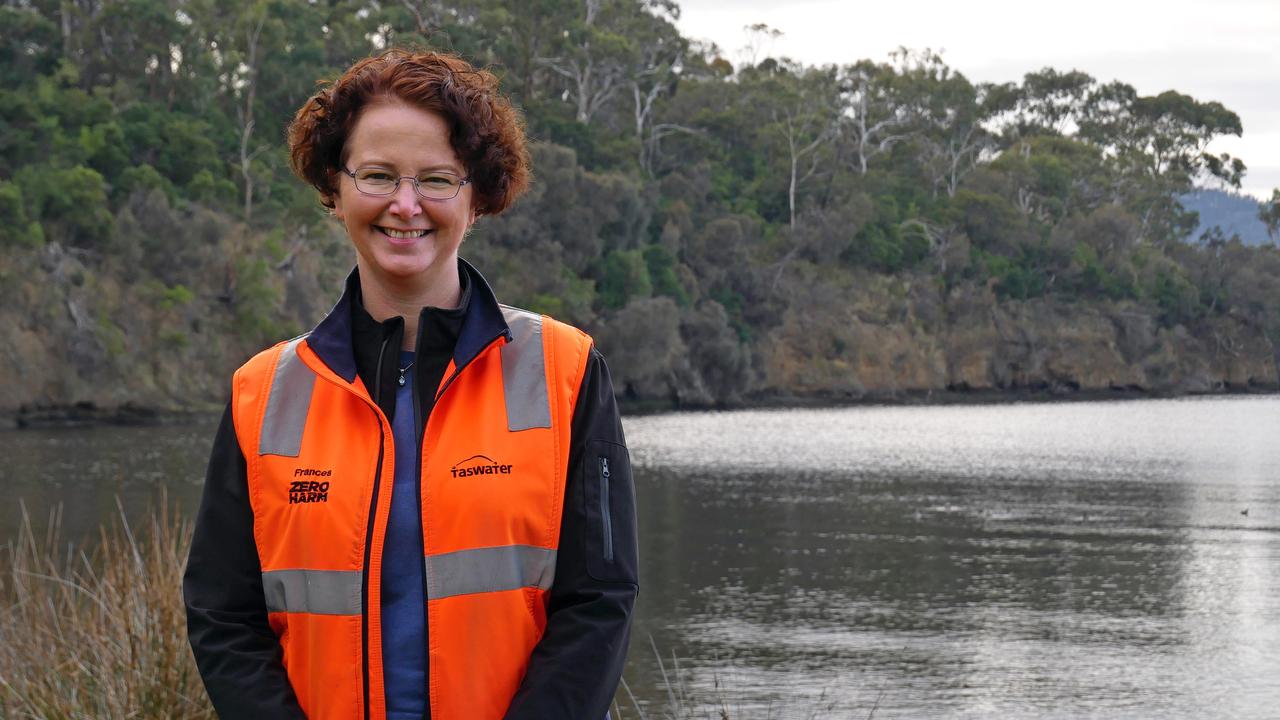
(384, 299)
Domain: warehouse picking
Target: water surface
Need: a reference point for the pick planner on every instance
(1085, 560)
(1110, 560)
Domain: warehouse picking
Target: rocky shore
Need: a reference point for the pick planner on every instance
(81, 348)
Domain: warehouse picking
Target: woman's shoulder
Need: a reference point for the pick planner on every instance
(267, 359)
(518, 318)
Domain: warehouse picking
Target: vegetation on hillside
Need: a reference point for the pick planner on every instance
(724, 231)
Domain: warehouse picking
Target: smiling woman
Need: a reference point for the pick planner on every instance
(464, 554)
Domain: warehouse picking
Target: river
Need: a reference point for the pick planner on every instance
(1033, 560)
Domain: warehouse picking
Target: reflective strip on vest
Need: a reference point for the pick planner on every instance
(320, 592)
(524, 372)
(287, 407)
(491, 569)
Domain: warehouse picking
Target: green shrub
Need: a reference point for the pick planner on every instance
(72, 200)
(626, 275)
(16, 229)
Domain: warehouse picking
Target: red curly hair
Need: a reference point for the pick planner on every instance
(486, 132)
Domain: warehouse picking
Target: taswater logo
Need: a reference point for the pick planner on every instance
(479, 465)
(309, 491)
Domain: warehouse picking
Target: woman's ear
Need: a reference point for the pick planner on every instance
(472, 216)
(333, 198)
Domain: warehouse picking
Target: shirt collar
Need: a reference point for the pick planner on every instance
(348, 324)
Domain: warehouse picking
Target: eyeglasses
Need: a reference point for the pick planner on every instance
(430, 185)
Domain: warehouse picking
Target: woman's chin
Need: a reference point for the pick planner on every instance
(400, 267)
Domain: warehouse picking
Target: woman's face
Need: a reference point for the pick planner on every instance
(403, 236)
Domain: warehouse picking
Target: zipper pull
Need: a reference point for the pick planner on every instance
(604, 466)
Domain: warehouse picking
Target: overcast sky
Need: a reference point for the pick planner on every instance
(1224, 50)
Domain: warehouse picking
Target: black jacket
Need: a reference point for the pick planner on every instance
(576, 666)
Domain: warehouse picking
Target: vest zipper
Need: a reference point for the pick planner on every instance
(368, 538)
(604, 509)
(420, 436)
(364, 590)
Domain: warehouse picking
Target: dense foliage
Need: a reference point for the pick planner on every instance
(688, 212)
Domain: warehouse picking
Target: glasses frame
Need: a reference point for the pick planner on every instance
(417, 188)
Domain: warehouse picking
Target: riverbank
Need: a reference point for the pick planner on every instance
(925, 398)
(148, 358)
(87, 414)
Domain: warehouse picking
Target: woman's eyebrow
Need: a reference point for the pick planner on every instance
(449, 167)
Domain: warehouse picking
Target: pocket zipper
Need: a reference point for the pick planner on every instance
(604, 509)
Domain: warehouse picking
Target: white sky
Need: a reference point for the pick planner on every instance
(1224, 50)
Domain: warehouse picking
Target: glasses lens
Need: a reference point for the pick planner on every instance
(438, 186)
(375, 182)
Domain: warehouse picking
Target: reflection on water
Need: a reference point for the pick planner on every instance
(1021, 561)
(1038, 560)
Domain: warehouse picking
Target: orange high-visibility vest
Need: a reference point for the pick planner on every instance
(320, 460)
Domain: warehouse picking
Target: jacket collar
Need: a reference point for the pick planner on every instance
(332, 342)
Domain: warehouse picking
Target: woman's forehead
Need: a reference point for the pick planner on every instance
(400, 134)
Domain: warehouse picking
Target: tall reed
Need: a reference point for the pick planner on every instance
(98, 633)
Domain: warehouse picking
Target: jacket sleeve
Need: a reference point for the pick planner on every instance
(575, 668)
(237, 652)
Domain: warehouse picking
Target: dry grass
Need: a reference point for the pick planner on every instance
(98, 634)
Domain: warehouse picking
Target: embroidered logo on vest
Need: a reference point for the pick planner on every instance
(479, 465)
(309, 491)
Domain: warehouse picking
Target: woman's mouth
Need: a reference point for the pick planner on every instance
(403, 234)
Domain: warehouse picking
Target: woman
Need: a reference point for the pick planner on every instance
(423, 507)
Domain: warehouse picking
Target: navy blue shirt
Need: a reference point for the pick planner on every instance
(404, 641)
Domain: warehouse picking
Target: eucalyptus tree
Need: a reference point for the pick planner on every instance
(958, 131)
(654, 73)
(28, 47)
(521, 36)
(799, 109)
(1051, 102)
(600, 47)
(796, 112)
(874, 115)
(1157, 147)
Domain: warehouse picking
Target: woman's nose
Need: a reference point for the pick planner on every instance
(405, 202)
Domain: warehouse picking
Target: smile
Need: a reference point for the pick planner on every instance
(403, 234)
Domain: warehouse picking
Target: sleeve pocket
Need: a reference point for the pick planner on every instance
(609, 497)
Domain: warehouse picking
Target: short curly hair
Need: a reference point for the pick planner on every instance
(486, 132)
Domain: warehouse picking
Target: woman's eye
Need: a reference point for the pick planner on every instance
(436, 181)
(376, 176)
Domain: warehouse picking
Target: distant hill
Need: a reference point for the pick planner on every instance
(1233, 212)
